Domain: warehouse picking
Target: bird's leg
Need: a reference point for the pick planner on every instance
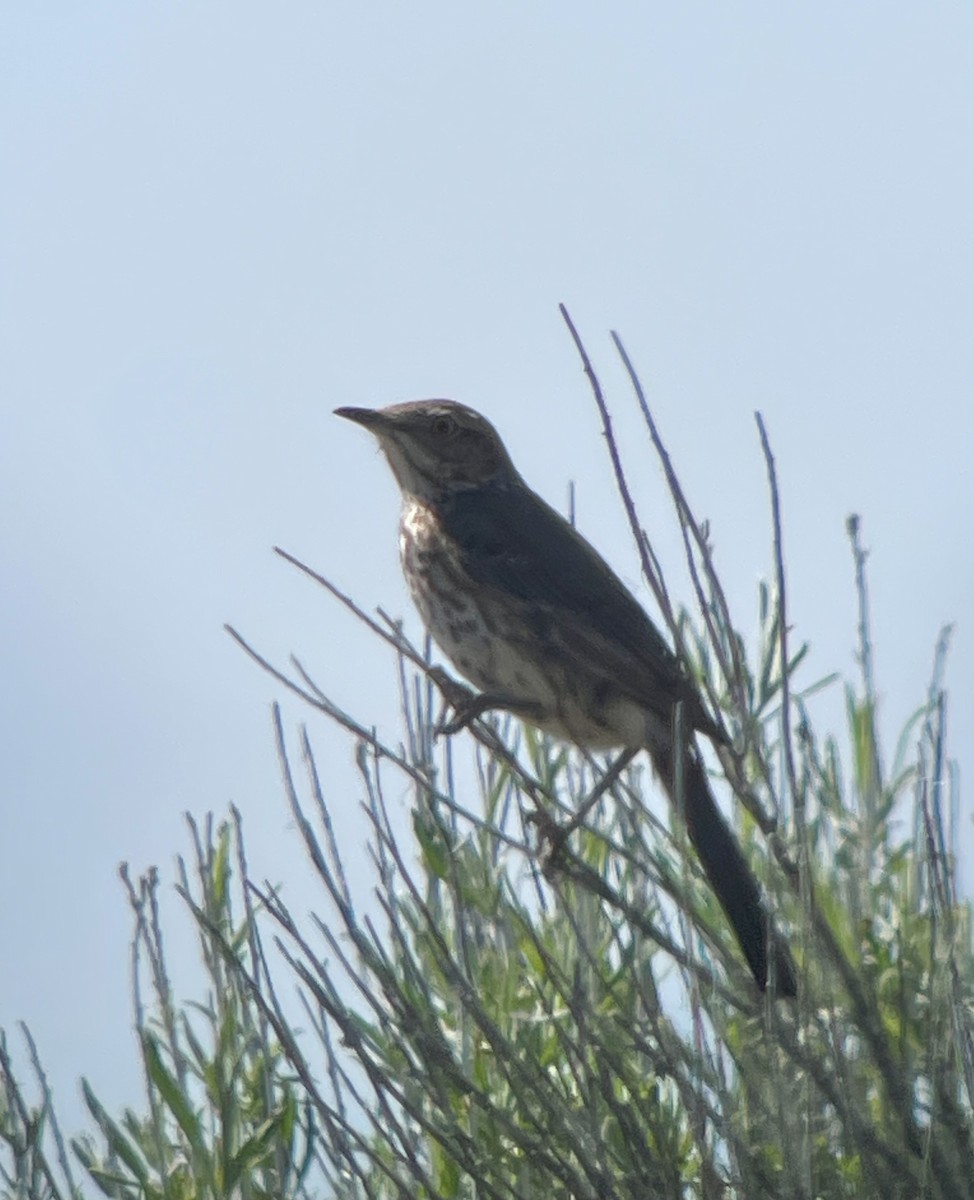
(469, 705)
(603, 785)
(558, 835)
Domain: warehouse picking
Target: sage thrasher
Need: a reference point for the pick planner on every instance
(533, 616)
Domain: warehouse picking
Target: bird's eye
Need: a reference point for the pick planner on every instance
(443, 426)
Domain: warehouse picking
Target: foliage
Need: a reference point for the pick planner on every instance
(508, 1015)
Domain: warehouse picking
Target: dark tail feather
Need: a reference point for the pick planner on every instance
(728, 872)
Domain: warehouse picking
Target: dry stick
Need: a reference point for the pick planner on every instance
(610, 1047)
(779, 562)
(733, 674)
(604, 784)
(394, 637)
(421, 780)
(372, 741)
(852, 983)
(672, 1054)
(865, 1016)
(660, 590)
(480, 731)
(261, 968)
(317, 699)
(397, 1015)
(448, 687)
(283, 1031)
(30, 1124)
(650, 565)
(767, 823)
(337, 866)
(689, 524)
(584, 876)
(516, 1073)
(871, 1028)
(142, 938)
(802, 883)
(737, 775)
(272, 902)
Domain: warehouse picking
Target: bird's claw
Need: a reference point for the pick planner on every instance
(469, 708)
(552, 839)
(468, 705)
(456, 696)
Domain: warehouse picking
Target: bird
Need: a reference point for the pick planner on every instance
(530, 613)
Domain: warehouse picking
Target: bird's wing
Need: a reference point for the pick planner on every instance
(510, 539)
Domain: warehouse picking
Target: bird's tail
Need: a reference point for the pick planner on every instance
(726, 868)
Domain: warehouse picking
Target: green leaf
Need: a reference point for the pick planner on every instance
(430, 839)
(118, 1143)
(254, 1151)
(168, 1088)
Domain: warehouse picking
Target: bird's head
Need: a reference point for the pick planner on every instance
(435, 446)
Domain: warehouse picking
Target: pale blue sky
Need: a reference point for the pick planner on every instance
(218, 222)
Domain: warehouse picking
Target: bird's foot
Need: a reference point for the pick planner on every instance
(552, 840)
(553, 837)
(457, 696)
(468, 706)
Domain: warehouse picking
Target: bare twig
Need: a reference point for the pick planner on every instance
(779, 560)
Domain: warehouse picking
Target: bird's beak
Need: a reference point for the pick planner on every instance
(371, 418)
